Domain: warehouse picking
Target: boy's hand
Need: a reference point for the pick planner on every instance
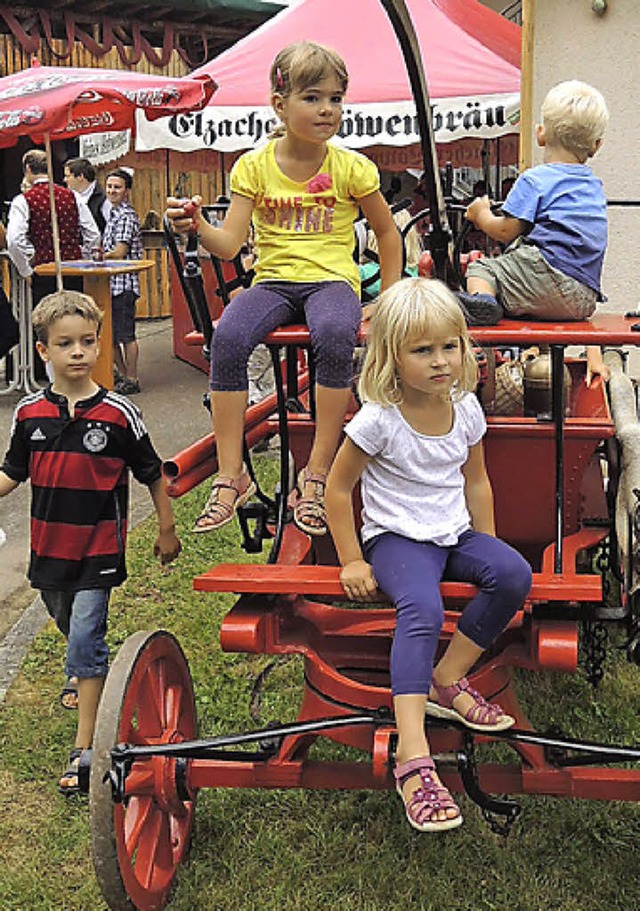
(184, 213)
(167, 546)
(477, 207)
(358, 581)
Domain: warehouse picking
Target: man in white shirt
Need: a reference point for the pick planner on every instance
(80, 176)
(30, 235)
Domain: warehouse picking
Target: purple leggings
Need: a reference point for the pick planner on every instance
(410, 573)
(331, 310)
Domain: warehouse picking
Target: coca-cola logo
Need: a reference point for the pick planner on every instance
(102, 119)
(21, 117)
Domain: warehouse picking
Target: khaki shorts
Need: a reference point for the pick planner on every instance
(528, 287)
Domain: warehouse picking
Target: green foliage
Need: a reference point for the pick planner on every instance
(260, 850)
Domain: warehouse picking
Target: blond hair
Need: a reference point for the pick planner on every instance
(575, 116)
(55, 306)
(301, 65)
(411, 308)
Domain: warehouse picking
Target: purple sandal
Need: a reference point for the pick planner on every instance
(481, 716)
(429, 799)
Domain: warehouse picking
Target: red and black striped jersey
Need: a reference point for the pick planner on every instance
(79, 472)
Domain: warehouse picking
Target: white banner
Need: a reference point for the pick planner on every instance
(231, 129)
(101, 148)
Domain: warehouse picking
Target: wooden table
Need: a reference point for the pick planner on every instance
(96, 278)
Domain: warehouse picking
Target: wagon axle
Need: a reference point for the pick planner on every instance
(560, 752)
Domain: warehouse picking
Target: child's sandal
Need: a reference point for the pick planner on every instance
(429, 799)
(69, 784)
(481, 716)
(216, 514)
(309, 512)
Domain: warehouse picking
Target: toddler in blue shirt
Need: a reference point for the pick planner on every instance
(554, 220)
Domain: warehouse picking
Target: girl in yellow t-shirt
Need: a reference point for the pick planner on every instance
(302, 195)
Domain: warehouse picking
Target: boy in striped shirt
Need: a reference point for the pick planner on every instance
(76, 442)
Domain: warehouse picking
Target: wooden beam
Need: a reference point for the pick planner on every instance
(526, 86)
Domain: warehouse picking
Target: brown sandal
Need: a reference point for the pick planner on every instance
(312, 508)
(217, 514)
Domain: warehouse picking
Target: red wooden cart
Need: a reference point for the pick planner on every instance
(564, 497)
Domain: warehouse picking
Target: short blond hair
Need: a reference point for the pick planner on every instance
(410, 308)
(55, 306)
(575, 116)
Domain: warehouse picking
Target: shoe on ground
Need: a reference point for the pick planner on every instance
(480, 309)
(126, 386)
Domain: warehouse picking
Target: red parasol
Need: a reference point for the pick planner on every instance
(68, 101)
(55, 102)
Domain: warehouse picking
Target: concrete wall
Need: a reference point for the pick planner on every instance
(572, 42)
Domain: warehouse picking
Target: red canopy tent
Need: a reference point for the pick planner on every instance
(471, 57)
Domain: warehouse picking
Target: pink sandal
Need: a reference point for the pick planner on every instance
(429, 799)
(217, 514)
(306, 508)
(481, 716)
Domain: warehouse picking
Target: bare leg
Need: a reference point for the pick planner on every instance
(89, 692)
(331, 406)
(477, 285)
(131, 351)
(461, 654)
(118, 358)
(228, 410)
(412, 740)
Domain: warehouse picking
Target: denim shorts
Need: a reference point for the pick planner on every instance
(82, 618)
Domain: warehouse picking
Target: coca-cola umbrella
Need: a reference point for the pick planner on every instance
(56, 102)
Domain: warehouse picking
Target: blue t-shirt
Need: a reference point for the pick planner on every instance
(567, 209)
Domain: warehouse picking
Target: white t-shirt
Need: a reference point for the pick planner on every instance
(413, 485)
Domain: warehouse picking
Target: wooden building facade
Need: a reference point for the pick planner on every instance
(174, 38)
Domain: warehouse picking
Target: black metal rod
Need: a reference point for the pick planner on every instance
(557, 406)
(440, 235)
(283, 431)
(603, 752)
(189, 747)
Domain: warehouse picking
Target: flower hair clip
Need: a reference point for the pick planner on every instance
(279, 78)
(319, 183)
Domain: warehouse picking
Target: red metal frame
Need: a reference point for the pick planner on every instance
(346, 650)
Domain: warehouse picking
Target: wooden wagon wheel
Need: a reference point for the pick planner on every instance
(138, 845)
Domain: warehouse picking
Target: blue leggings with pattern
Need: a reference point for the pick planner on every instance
(330, 309)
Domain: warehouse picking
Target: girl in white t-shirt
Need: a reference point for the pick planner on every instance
(416, 447)
(302, 195)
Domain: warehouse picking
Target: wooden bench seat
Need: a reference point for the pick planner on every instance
(324, 581)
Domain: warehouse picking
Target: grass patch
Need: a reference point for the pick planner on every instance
(264, 850)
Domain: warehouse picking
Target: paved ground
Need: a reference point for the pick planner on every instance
(171, 402)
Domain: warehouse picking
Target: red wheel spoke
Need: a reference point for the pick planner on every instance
(150, 714)
(138, 845)
(173, 706)
(136, 817)
(155, 855)
(158, 685)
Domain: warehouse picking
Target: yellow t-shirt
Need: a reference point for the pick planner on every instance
(304, 233)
